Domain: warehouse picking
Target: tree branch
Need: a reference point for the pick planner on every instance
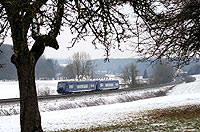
(32, 9)
(57, 22)
(41, 41)
(103, 20)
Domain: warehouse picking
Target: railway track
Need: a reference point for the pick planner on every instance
(51, 97)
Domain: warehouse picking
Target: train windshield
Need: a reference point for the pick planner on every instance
(61, 85)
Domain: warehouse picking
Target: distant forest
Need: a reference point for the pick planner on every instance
(45, 68)
(114, 66)
(52, 69)
(8, 71)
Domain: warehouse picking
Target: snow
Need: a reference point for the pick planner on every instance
(10, 89)
(187, 88)
(106, 114)
(84, 117)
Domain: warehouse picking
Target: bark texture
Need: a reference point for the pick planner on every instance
(30, 119)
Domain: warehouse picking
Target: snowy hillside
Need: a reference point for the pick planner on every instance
(84, 117)
(187, 88)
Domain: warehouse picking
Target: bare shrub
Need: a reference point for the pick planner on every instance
(44, 91)
(160, 93)
(189, 79)
(9, 112)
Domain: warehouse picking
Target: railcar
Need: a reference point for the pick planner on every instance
(66, 87)
(107, 84)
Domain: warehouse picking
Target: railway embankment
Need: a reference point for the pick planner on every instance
(63, 102)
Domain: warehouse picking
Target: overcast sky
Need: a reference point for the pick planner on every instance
(83, 46)
(86, 46)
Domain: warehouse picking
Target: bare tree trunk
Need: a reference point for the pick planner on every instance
(29, 112)
(20, 17)
(30, 119)
(24, 61)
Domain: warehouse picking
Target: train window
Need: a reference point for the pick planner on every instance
(71, 86)
(86, 86)
(116, 84)
(61, 85)
(80, 86)
(92, 85)
(101, 85)
(109, 84)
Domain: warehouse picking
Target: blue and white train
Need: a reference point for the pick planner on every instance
(66, 87)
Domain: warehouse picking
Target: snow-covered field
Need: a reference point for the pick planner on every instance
(58, 115)
(11, 89)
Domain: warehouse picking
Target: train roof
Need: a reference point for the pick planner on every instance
(90, 81)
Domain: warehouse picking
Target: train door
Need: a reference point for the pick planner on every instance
(97, 83)
(100, 85)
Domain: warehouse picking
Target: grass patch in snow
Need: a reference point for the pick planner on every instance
(185, 118)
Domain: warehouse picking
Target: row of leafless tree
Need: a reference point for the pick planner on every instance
(80, 67)
(162, 73)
